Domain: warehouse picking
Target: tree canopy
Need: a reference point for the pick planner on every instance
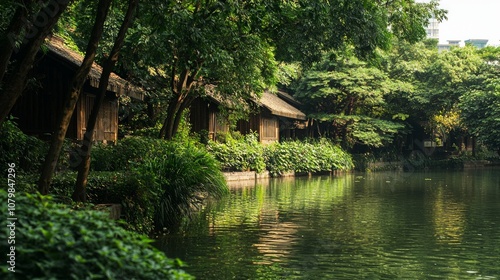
(350, 94)
(177, 47)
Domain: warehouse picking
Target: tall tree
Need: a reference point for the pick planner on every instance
(73, 95)
(480, 104)
(349, 95)
(234, 44)
(200, 43)
(79, 193)
(12, 31)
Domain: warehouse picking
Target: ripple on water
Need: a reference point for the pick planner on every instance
(334, 228)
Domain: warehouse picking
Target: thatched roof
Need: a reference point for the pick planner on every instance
(116, 84)
(280, 107)
(278, 104)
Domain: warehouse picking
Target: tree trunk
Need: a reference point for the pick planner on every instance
(8, 43)
(34, 39)
(79, 193)
(182, 87)
(79, 79)
(166, 129)
(178, 116)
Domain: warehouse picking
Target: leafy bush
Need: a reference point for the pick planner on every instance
(104, 187)
(157, 182)
(182, 176)
(125, 153)
(55, 242)
(239, 153)
(312, 156)
(27, 152)
(279, 157)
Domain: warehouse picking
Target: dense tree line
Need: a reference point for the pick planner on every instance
(370, 103)
(173, 49)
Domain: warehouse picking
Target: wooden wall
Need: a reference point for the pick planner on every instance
(204, 115)
(265, 124)
(107, 124)
(39, 109)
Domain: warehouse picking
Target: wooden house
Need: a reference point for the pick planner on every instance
(39, 109)
(276, 117)
(205, 116)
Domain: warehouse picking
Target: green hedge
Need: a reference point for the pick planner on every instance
(306, 156)
(242, 154)
(300, 156)
(158, 184)
(27, 152)
(55, 242)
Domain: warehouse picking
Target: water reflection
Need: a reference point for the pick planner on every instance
(377, 226)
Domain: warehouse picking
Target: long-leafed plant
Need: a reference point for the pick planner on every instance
(182, 177)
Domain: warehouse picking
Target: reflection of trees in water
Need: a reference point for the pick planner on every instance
(276, 241)
(376, 226)
(448, 217)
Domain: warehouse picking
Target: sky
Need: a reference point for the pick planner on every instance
(471, 19)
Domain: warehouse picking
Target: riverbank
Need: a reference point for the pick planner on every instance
(252, 175)
(408, 165)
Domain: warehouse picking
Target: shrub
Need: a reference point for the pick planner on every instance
(181, 176)
(27, 152)
(124, 154)
(155, 181)
(55, 242)
(239, 153)
(308, 156)
(280, 158)
(105, 187)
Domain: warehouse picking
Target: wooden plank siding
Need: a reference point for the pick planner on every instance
(266, 125)
(275, 117)
(38, 110)
(107, 122)
(205, 116)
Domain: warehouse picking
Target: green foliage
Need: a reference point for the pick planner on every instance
(242, 154)
(27, 152)
(104, 187)
(342, 84)
(7, 9)
(122, 156)
(181, 177)
(447, 77)
(55, 242)
(248, 154)
(314, 156)
(364, 130)
(157, 182)
(480, 111)
(304, 30)
(349, 97)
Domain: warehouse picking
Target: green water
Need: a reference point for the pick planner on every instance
(427, 225)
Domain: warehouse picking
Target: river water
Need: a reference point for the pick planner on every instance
(394, 225)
